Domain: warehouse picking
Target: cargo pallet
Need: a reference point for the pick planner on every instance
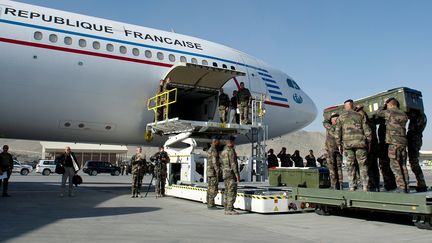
(417, 205)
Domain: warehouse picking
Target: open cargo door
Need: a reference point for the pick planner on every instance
(197, 90)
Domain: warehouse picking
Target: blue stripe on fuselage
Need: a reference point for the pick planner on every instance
(128, 42)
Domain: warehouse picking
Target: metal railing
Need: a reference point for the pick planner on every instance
(258, 110)
(161, 103)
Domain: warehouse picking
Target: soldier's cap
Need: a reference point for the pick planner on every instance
(216, 138)
(349, 100)
(231, 138)
(334, 114)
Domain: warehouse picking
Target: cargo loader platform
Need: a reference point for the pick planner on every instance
(257, 198)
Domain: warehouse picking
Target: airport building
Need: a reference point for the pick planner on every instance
(85, 151)
(425, 155)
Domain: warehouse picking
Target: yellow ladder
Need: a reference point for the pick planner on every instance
(161, 102)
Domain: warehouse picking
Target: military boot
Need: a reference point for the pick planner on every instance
(133, 193)
(421, 188)
(231, 212)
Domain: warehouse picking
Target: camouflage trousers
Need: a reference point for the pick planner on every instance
(384, 164)
(413, 154)
(359, 155)
(335, 168)
(223, 114)
(397, 155)
(230, 193)
(137, 181)
(212, 190)
(244, 112)
(160, 185)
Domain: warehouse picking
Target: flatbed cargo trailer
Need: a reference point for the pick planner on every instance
(417, 205)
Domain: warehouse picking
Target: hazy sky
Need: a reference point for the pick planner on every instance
(334, 49)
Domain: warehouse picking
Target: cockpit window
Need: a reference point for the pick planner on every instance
(295, 85)
(291, 83)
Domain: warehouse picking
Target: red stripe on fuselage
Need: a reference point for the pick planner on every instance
(276, 104)
(89, 53)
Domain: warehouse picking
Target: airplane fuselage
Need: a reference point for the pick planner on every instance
(70, 77)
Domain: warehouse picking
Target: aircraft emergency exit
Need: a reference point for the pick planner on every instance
(71, 77)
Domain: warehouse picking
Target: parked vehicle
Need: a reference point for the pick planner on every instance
(45, 167)
(21, 168)
(93, 168)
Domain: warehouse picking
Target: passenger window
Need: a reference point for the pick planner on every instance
(53, 38)
(233, 68)
(38, 35)
(96, 45)
(160, 55)
(224, 66)
(148, 54)
(68, 40)
(82, 43)
(194, 61)
(215, 64)
(171, 57)
(183, 59)
(135, 52)
(204, 62)
(123, 49)
(110, 47)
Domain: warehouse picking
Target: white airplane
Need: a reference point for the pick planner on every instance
(71, 77)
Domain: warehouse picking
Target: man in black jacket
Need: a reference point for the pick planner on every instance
(69, 162)
(285, 158)
(6, 166)
(272, 159)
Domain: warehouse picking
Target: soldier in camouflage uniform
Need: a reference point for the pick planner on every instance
(416, 127)
(353, 135)
(138, 162)
(395, 121)
(160, 101)
(334, 157)
(372, 158)
(231, 176)
(213, 173)
(224, 103)
(160, 170)
(244, 98)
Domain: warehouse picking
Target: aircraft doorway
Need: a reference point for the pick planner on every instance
(197, 90)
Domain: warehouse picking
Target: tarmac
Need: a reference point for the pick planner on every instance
(102, 211)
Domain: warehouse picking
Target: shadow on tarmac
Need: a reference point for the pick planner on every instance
(33, 205)
(377, 216)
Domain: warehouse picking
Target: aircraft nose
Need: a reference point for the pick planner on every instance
(310, 110)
